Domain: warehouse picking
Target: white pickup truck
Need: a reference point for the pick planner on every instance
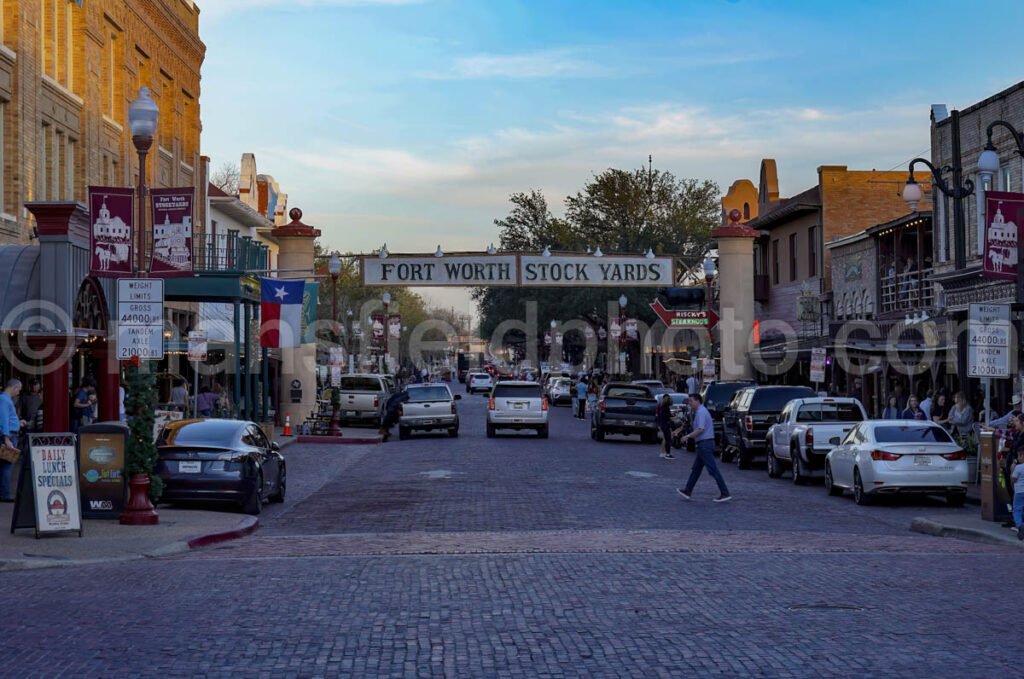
(805, 432)
(362, 399)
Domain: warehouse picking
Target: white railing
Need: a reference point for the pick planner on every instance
(911, 290)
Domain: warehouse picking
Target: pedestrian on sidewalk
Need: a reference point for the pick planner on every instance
(704, 434)
(664, 418)
(581, 398)
(10, 425)
(1017, 475)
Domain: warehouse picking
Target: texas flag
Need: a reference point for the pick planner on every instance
(281, 313)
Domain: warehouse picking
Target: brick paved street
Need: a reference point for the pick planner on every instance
(530, 558)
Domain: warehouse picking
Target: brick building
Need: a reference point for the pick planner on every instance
(68, 72)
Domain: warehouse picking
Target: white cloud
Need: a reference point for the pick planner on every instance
(541, 64)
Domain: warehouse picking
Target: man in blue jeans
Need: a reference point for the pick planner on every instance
(9, 427)
(704, 434)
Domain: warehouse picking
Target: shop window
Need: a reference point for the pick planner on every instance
(775, 261)
(792, 257)
(812, 252)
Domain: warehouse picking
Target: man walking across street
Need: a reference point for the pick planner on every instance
(581, 398)
(704, 434)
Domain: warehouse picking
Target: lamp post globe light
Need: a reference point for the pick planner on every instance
(143, 116)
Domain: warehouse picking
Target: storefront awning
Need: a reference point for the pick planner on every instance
(20, 264)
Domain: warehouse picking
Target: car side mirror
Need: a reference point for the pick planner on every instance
(458, 397)
(834, 441)
(274, 447)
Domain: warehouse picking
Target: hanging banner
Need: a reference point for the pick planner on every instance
(395, 326)
(357, 330)
(602, 334)
(377, 329)
(558, 338)
(632, 330)
(112, 232)
(547, 339)
(589, 332)
(615, 328)
(198, 343)
(309, 309)
(1004, 218)
(172, 231)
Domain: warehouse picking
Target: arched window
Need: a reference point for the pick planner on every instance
(869, 304)
(746, 211)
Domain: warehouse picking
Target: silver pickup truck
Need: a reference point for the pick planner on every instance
(430, 406)
(806, 430)
(362, 399)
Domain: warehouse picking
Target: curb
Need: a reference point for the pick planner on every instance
(934, 528)
(341, 441)
(246, 526)
(283, 443)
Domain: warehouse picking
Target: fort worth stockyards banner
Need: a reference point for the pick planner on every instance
(172, 231)
(112, 231)
(1004, 217)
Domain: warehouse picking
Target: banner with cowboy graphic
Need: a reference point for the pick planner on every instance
(1004, 217)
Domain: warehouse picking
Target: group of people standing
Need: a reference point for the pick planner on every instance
(955, 414)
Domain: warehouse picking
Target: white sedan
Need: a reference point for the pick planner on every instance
(883, 457)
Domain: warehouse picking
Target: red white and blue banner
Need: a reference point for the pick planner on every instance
(1004, 219)
(172, 231)
(281, 313)
(112, 231)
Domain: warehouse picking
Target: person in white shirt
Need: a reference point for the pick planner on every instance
(691, 384)
(926, 405)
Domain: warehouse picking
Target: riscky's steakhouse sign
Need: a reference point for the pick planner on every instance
(512, 270)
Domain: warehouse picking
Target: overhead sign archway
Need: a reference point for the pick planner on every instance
(480, 269)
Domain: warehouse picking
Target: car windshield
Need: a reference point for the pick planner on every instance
(481, 376)
(562, 382)
(221, 433)
(517, 391)
(829, 412)
(429, 394)
(361, 384)
(769, 400)
(628, 392)
(679, 399)
(912, 434)
(722, 393)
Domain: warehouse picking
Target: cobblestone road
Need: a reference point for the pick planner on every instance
(531, 558)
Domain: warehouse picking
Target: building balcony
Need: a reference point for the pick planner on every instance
(762, 286)
(229, 253)
(907, 292)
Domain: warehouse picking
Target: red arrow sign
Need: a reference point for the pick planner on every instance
(683, 319)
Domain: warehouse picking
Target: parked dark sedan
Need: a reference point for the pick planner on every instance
(221, 461)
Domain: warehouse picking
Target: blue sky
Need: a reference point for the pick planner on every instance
(411, 121)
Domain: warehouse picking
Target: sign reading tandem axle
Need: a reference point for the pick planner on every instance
(512, 270)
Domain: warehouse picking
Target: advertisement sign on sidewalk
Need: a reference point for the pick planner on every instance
(101, 470)
(55, 485)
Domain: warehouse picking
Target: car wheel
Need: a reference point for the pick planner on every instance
(255, 503)
(956, 499)
(453, 433)
(490, 430)
(799, 478)
(282, 483)
(543, 432)
(743, 459)
(726, 454)
(599, 434)
(830, 485)
(773, 464)
(403, 433)
(859, 496)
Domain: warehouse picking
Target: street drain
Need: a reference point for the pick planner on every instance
(825, 607)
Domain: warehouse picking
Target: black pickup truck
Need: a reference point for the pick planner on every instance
(625, 408)
(752, 412)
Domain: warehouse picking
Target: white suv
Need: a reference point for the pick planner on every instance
(517, 405)
(479, 382)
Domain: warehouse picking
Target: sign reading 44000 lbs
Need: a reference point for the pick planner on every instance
(140, 318)
(525, 270)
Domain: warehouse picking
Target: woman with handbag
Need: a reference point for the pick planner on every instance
(9, 427)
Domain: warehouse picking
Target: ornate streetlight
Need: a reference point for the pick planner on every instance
(334, 268)
(143, 115)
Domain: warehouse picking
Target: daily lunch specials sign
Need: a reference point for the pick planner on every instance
(55, 485)
(518, 270)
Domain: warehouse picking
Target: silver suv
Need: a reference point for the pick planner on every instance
(517, 405)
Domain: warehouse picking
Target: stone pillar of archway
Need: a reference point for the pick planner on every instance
(298, 365)
(735, 295)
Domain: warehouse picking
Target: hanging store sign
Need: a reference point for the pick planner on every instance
(172, 231)
(112, 232)
(988, 340)
(1004, 218)
(685, 319)
(531, 271)
(140, 318)
(197, 345)
(818, 364)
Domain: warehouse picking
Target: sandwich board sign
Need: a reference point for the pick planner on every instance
(48, 497)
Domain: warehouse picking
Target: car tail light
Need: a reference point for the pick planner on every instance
(958, 455)
(453, 407)
(490, 404)
(602, 405)
(883, 455)
(401, 411)
(376, 402)
(748, 423)
(809, 438)
(543, 404)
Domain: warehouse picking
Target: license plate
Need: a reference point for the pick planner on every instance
(518, 406)
(631, 423)
(428, 421)
(190, 467)
(923, 459)
(351, 413)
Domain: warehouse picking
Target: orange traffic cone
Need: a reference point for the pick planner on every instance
(287, 425)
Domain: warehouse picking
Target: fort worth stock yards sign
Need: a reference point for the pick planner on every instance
(511, 270)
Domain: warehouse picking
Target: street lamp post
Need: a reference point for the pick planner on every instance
(348, 339)
(386, 298)
(709, 277)
(623, 359)
(958, 189)
(334, 268)
(143, 115)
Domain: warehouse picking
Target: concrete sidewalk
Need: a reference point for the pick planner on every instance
(966, 527)
(179, 530)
